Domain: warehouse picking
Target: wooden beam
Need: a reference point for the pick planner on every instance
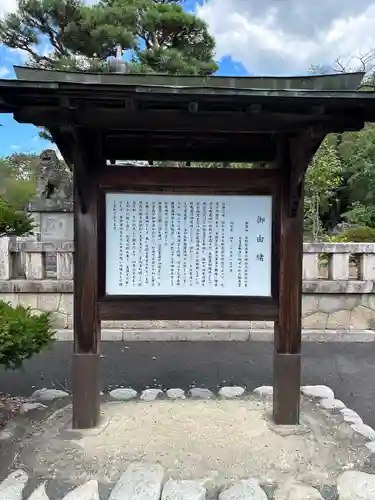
(124, 150)
(187, 308)
(75, 150)
(302, 149)
(231, 180)
(179, 120)
(84, 151)
(287, 341)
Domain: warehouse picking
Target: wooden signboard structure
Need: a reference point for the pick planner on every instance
(158, 243)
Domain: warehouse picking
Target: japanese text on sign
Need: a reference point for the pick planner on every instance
(164, 244)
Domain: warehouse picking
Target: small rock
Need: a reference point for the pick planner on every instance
(183, 490)
(201, 393)
(25, 407)
(151, 394)
(351, 416)
(39, 493)
(288, 430)
(264, 390)
(176, 394)
(244, 490)
(355, 485)
(7, 433)
(331, 404)
(231, 392)
(48, 394)
(371, 446)
(297, 491)
(317, 391)
(140, 481)
(213, 483)
(365, 430)
(123, 394)
(88, 491)
(13, 485)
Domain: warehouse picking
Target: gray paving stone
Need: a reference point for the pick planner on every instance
(139, 482)
(355, 485)
(371, 446)
(12, 486)
(88, 491)
(297, 491)
(351, 416)
(201, 393)
(247, 489)
(332, 404)
(329, 492)
(123, 394)
(48, 394)
(231, 392)
(365, 430)
(39, 494)
(183, 490)
(151, 394)
(317, 391)
(264, 390)
(25, 407)
(176, 394)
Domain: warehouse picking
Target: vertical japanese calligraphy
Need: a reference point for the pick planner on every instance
(209, 245)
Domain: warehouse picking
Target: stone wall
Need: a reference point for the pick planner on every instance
(338, 284)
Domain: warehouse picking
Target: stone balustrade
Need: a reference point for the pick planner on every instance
(338, 285)
(338, 258)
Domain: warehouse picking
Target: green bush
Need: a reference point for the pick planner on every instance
(14, 222)
(360, 234)
(22, 334)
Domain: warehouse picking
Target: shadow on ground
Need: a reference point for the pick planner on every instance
(349, 368)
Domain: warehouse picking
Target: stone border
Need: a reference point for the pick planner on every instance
(150, 480)
(219, 335)
(317, 286)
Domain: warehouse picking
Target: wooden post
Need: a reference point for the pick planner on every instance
(86, 357)
(287, 343)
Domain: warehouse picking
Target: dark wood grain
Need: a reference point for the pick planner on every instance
(264, 150)
(188, 308)
(193, 180)
(86, 359)
(288, 326)
(186, 181)
(180, 120)
(86, 321)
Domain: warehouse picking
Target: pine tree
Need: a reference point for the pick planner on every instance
(154, 35)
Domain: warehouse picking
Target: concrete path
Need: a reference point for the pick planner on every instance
(349, 368)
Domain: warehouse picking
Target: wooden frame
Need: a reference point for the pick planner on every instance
(159, 117)
(187, 181)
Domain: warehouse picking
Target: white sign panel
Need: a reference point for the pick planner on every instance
(172, 244)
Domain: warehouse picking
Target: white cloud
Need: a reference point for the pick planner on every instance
(7, 6)
(287, 36)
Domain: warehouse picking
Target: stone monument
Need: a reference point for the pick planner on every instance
(52, 206)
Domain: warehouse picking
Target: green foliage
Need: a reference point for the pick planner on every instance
(323, 177)
(158, 36)
(14, 222)
(22, 334)
(360, 214)
(360, 234)
(18, 179)
(358, 152)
